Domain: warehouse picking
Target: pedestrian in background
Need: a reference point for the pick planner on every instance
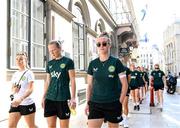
(22, 88)
(60, 72)
(104, 98)
(134, 86)
(141, 83)
(125, 102)
(159, 79)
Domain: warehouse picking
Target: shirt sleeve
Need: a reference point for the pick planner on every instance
(30, 76)
(163, 73)
(70, 65)
(90, 71)
(47, 68)
(120, 67)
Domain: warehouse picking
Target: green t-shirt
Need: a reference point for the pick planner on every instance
(105, 79)
(135, 76)
(157, 75)
(141, 81)
(58, 89)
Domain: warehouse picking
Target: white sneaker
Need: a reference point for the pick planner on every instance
(125, 123)
(121, 123)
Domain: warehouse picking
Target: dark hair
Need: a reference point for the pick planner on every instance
(56, 42)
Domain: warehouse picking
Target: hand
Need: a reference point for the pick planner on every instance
(43, 102)
(72, 103)
(16, 89)
(87, 110)
(16, 102)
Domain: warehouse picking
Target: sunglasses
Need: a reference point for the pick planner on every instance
(104, 44)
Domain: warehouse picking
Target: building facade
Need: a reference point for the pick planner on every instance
(149, 55)
(171, 38)
(29, 25)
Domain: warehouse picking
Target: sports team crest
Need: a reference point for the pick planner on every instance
(111, 68)
(62, 65)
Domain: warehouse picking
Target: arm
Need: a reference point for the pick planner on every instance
(164, 80)
(73, 87)
(28, 92)
(88, 92)
(89, 88)
(129, 79)
(123, 80)
(46, 85)
(14, 89)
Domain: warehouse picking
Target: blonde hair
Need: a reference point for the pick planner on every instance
(25, 56)
(58, 43)
(105, 35)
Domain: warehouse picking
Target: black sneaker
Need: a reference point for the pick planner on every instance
(138, 108)
(135, 107)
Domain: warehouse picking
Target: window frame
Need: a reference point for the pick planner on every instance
(80, 53)
(28, 42)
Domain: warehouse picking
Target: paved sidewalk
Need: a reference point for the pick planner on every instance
(147, 117)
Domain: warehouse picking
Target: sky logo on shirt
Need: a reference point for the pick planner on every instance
(55, 74)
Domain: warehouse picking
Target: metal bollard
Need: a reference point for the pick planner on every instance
(151, 94)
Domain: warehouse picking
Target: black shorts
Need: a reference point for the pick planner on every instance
(134, 87)
(24, 109)
(111, 112)
(158, 87)
(57, 108)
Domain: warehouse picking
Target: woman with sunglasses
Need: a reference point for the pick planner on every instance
(57, 100)
(104, 95)
(159, 79)
(22, 87)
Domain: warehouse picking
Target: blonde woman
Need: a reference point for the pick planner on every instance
(22, 87)
(104, 98)
(60, 74)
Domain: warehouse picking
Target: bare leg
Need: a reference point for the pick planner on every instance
(95, 123)
(113, 125)
(30, 120)
(13, 120)
(51, 121)
(64, 123)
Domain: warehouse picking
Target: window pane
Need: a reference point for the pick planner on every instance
(37, 32)
(21, 5)
(19, 25)
(81, 62)
(37, 56)
(75, 30)
(81, 36)
(17, 46)
(81, 46)
(76, 61)
(38, 10)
